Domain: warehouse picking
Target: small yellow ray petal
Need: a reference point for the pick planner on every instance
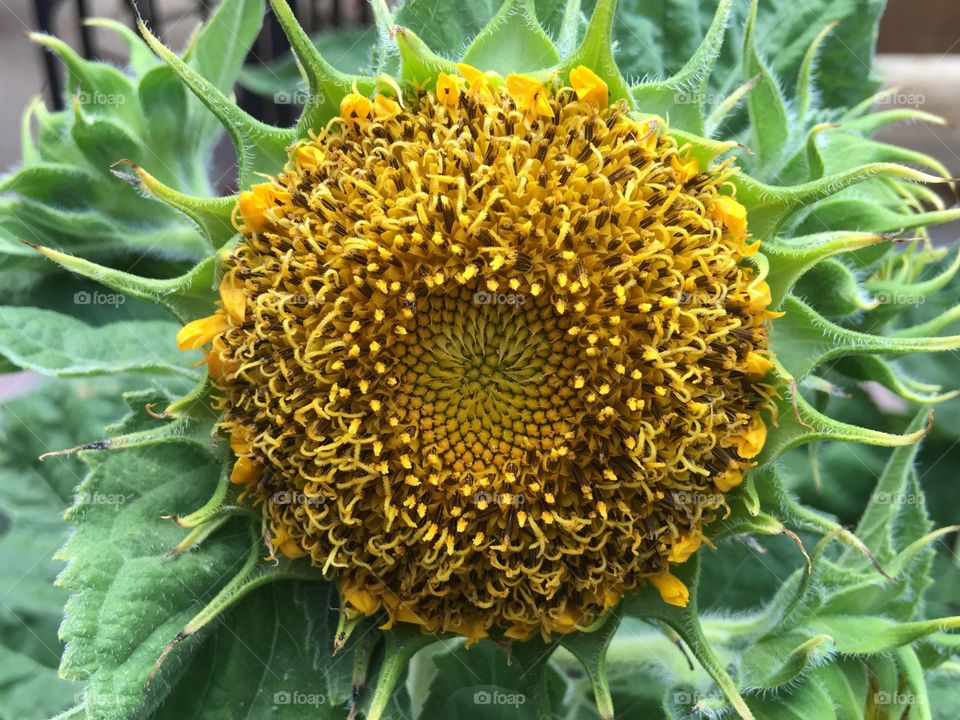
(671, 589)
(233, 297)
(589, 87)
(199, 332)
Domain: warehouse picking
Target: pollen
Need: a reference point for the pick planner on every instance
(491, 356)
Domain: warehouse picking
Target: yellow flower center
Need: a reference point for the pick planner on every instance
(492, 359)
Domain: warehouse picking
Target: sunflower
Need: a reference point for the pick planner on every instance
(497, 348)
(491, 353)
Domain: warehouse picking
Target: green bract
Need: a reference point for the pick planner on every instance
(116, 191)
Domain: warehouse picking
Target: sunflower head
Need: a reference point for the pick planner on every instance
(492, 353)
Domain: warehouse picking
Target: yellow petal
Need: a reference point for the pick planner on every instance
(671, 589)
(759, 294)
(254, 203)
(233, 297)
(288, 546)
(245, 472)
(362, 599)
(589, 87)
(731, 214)
(240, 441)
(215, 367)
(565, 622)
(750, 443)
(385, 108)
(519, 631)
(403, 613)
(449, 89)
(756, 365)
(728, 480)
(355, 107)
(684, 547)
(198, 333)
(530, 95)
(685, 168)
(309, 157)
(477, 81)
(472, 630)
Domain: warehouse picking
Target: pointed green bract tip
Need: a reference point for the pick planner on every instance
(419, 65)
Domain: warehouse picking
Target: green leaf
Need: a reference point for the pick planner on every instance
(128, 602)
(187, 297)
(768, 206)
(512, 42)
(809, 700)
(33, 497)
(54, 344)
(845, 298)
(681, 98)
(799, 423)
(140, 58)
(220, 48)
(418, 64)
(99, 89)
(845, 681)
(445, 26)
(685, 622)
(891, 496)
(888, 374)
(791, 258)
(482, 684)
(271, 656)
(782, 658)
(590, 648)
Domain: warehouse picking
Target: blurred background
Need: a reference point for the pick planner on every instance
(919, 42)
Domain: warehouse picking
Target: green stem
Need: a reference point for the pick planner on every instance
(693, 635)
